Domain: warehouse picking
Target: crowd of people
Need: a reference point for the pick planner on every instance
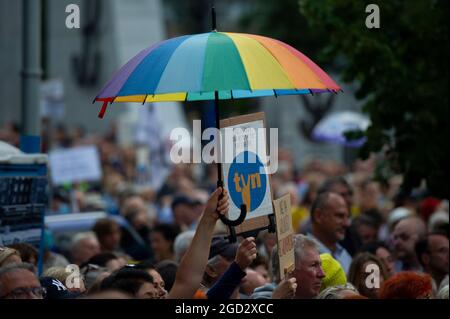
(355, 237)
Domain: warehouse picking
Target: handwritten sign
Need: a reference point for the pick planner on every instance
(76, 164)
(285, 235)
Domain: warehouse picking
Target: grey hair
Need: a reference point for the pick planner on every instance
(302, 242)
(80, 237)
(12, 268)
(181, 244)
(57, 272)
(443, 292)
(333, 292)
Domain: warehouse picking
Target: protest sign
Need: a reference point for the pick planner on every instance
(285, 235)
(244, 160)
(76, 164)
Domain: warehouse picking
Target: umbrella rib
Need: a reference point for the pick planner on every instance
(275, 93)
(145, 99)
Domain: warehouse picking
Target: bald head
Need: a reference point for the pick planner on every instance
(406, 234)
(330, 218)
(415, 224)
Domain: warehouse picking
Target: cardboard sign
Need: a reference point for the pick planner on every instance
(285, 235)
(244, 157)
(76, 164)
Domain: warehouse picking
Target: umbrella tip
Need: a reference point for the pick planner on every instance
(102, 112)
(213, 17)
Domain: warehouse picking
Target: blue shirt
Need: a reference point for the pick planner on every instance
(340, 253)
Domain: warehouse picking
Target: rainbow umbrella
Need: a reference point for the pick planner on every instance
(231, 65)
(215, 66)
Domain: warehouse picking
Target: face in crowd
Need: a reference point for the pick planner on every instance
(158, 284)
(406, 234)
(20, 284)
(85, 249)
(146, 291)
(333, 218)
(387, 259)
(309, 273)
(436, 258)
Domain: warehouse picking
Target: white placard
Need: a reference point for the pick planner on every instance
(249, 181)
(76, 164)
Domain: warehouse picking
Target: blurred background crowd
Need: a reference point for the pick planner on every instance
(127, 221)
(128, 229)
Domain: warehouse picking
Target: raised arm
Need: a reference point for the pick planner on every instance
(192, 266)
(231, 279)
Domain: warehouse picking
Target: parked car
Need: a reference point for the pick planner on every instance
(64, 227)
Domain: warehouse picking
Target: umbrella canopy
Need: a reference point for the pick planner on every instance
(215, 66)
(235, 65)
(334, 126)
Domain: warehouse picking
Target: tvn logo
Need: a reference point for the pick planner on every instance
(247, 180)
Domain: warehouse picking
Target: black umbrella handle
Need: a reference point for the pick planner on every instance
(241, 217)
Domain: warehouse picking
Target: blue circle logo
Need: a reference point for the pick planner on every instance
(246, 184)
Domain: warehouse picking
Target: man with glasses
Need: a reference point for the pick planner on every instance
(18, 281)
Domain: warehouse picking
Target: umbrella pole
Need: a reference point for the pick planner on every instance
(230, 223)
(219, 146)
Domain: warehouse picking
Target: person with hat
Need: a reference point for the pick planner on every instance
(9, 256)
(334, 273)
(55, 289)
(221, 256)
(226, 284)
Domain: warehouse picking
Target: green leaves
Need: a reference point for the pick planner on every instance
(402, 69)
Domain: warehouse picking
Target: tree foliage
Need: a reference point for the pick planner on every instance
(402, 69)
